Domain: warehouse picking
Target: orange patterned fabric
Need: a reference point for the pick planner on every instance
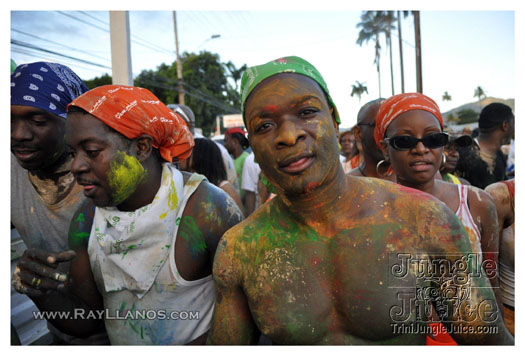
(134, 111)
(399, 104)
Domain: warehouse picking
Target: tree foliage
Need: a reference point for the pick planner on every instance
(106, 79)
(210, 87)
(358, 89)
(207, 90)
(479, 93)
(467, 116)
(371, 26)
(446, 96)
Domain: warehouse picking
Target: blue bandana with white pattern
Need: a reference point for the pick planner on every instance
(47, 86)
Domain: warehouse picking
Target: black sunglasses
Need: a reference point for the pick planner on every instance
(405, 142)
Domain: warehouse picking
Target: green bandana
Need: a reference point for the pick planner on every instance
(255, 75)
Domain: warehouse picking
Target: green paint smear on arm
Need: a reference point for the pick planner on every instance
(125, 174)
(76, 234)
(191, 233)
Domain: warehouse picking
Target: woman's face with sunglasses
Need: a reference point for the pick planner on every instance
(414, 145)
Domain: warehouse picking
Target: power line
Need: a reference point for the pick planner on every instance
(58, 44)
(94, 18)
(28, 45)
(138, 41)
(171, 84)
(83, 21)
(52, 58)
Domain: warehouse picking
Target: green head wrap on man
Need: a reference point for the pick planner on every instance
(253, 76)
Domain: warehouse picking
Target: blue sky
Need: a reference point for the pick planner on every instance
(460, 49)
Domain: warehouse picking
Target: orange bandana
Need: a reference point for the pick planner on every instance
(133, 111)
(399, 104)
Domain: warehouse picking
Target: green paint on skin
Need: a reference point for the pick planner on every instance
(125, 174)
(191, 233)
(76, 236)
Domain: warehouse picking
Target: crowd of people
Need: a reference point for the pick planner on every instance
(398, 231)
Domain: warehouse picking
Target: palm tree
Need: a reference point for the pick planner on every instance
(235, 73)
(371, 26)
(388, 18)
(446, 96)
(479, 92)
(358, 89)
(405, 14)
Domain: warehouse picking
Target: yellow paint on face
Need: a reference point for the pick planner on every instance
(125, 174)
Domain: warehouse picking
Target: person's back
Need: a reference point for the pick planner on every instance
(484, 163)
(503, 195)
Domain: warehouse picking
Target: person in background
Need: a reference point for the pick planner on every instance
(349, 152)
(236, 143)
(44, 192)
(294, 269)
(189, 117)
(511, 159)
(373, 164)
(484, 163)
(250, 181)
(451, 157)
(206, 159)
(503, 195)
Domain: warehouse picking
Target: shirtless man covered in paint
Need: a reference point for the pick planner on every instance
(144, 259)
(335, 259)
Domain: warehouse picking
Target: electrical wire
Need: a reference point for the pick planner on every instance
(59, 44)
(28, 45)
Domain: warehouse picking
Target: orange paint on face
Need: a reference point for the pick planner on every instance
(270, 108)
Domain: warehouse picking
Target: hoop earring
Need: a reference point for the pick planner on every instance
(379, 165)
(444, 158)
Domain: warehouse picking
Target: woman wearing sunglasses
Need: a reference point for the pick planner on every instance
(409, 129)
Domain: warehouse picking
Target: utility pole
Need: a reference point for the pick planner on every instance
(179, 64)
(401, 52)
(120, 48)
(419, 70)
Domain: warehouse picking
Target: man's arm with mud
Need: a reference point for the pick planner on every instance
(232, 322)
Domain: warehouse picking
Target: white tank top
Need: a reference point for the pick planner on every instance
(463, 214)
(146, 301)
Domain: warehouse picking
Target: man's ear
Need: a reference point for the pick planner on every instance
(142, 146)
(334, 121)
(505, 126)
(357, 133)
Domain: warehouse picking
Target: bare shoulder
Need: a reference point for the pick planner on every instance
(479, 200)
(212, 205)
(498, 191)
(425, 222)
